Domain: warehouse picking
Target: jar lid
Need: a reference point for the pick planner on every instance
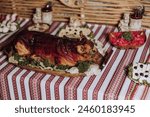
(47, 7)
(138, 12)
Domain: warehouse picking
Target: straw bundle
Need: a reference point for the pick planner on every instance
(97, 11)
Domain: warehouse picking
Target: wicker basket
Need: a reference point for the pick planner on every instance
(97, 11)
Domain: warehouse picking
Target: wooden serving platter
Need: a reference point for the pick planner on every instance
(58, 73)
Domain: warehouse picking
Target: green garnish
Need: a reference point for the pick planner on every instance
(24, 62)
(47, 63)
(62, 67)
(127, 36)
(91, 35)
(83, 66)
(17, 57)
(34, 63)
(130, 70)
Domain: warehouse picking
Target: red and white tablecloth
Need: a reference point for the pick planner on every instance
(111, 83)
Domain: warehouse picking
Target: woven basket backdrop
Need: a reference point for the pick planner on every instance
(97, 11)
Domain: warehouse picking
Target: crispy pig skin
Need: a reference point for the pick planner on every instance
(58, 50)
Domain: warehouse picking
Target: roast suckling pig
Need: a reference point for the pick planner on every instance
(57, 50)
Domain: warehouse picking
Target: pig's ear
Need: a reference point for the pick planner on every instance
(22, 48)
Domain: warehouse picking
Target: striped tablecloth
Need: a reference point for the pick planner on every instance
(110, 83)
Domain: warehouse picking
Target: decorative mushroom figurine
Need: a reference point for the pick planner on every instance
(124, 23)
(75, 22)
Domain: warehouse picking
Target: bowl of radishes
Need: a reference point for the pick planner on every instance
(126, 40)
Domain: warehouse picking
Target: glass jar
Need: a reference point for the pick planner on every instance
(136, 18)
(47, 14)
(135, 24)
